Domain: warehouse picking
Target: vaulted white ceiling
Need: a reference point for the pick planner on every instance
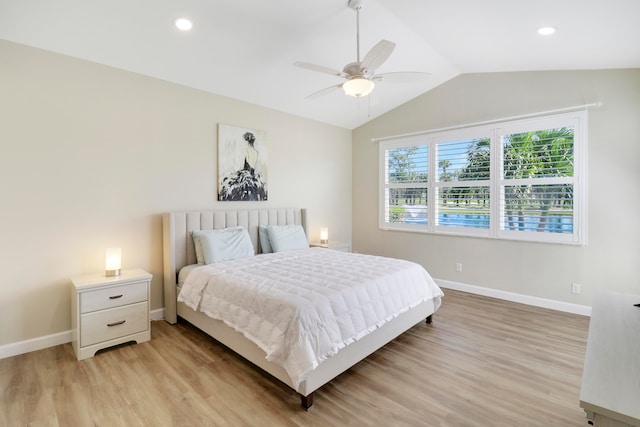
(245, 49)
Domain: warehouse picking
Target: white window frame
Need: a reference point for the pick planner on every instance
(456, 135)
(417, 140)
(494, 131)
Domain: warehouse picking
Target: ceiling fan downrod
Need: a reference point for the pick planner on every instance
(357, 5)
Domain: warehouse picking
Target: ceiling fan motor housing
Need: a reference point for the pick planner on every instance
(356, 4)
(355, 70)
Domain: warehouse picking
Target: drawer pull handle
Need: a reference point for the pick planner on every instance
(116, 323)
(116, 296)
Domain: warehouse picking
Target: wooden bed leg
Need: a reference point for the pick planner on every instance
(307, 401)
(430, 318)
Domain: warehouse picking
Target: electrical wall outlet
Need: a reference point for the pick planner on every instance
(576, 288)
(458, 266)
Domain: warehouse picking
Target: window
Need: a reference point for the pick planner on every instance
(520, 180)
(406, 178)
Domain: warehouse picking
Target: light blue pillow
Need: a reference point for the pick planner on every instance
(287, 237)
(223, 245)
(265, 245)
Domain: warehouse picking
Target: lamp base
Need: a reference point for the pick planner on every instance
(324, 241)
(112, 273)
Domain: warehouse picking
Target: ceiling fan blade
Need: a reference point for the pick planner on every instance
(377, 55)
(324, 91)
(319, 68)
(401, 77)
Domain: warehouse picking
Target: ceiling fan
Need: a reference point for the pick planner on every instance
(360, 75)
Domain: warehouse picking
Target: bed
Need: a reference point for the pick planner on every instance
(179, 252)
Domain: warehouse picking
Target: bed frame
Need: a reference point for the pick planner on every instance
(178, 251)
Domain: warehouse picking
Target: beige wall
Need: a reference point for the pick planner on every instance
(611, 258)
(92, 156)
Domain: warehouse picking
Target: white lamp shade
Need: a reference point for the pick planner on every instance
(113, 261)
(324, 235)
(358, 87)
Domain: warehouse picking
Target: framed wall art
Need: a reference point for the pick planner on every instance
(242, 164)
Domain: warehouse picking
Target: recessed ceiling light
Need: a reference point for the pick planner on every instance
(183, 24)
(546, 31)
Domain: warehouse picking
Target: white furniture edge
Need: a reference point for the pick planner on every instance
(332, 244)
(178, 251)
(611, 376)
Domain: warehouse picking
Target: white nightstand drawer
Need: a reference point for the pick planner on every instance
(113, 323)
(113, 297)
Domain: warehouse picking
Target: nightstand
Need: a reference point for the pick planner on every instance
(106, 311)
(338, 246)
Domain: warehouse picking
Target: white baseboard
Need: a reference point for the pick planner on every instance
(21, 347)
(156, 314)
(34, 344)
(568, 307)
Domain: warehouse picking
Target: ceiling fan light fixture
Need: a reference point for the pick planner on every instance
(546, 31)
(183, 24)
(358, 87)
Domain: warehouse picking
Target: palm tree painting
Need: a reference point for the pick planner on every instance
(242, 164)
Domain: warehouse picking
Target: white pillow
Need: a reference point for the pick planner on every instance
(224, 244)
(265, 245)
(287, 237)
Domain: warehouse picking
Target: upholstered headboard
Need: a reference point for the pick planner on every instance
(178, 249)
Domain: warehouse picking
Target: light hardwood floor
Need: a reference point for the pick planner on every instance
(482, 362)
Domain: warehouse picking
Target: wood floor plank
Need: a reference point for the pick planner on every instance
(482, 362)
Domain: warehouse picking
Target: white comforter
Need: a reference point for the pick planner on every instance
(303, 306)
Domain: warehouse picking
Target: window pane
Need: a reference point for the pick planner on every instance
(538, 154)
(406, 205)
(407, 164)
(538, 208)
(463, 207)
(465, 160)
